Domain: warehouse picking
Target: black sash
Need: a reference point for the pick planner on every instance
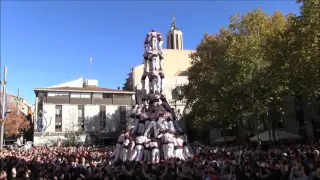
(168, 143)
(142, 121)
(152, 148)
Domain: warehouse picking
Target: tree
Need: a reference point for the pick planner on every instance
(15, 123)
(302, 53)
(73, 133)
(234, 74)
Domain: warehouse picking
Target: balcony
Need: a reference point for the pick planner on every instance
(173, 102)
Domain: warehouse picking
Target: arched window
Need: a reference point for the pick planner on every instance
(177, 41)
(172, 41)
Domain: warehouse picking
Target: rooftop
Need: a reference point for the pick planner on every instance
(84, 89)
(81, 85)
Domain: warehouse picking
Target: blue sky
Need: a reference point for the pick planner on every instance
(48, 42)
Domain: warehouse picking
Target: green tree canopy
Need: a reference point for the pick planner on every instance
(239, 72)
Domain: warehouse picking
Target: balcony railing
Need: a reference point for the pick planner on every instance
(173, 102)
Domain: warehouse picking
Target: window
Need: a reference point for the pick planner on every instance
(97, 95)
(107, 95)
(103, 118)
(172, 41)
(81, 117)
(81, 95)
(177, 41)
(58, 94)
(123, 117)
(181, 42)
(121, 96)
(58, 124)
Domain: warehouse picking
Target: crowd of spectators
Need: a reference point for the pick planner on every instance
(298, 162)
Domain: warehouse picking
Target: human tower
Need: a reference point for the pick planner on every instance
(155, 134)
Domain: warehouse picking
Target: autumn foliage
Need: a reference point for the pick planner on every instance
(15, 123)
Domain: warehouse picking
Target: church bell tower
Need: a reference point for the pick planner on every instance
(174, 37)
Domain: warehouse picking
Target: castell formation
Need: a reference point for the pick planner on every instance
(155, 134)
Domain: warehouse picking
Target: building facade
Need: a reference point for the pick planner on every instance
(18, 104)
(79, 105)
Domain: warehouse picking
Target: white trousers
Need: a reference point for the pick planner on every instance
(118, 152)
(170, 150)
(125, 154)
(138, 153)
(162, 85)
(160, 45)
(146, 155)
(153, 43)
(155, 156)
(187, 154)
(178, 153)
(165, 152)
(156, 85)
(161, 124)
(160, 64)
(153, 64)
(170, 126)
(153, 125)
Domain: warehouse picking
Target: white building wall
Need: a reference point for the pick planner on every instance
(70, 120)
(92, 118)
(49, 117)
(172, 82)
(113, 118)
(91, 114)
(69, 117)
